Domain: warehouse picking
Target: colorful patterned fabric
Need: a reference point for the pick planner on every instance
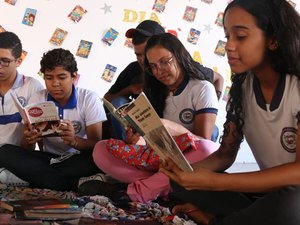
(143, 156)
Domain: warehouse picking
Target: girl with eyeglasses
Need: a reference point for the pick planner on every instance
(187, 104)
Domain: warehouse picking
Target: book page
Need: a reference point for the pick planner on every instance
(156, 135)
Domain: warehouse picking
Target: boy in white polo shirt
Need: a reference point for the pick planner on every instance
(82, 113)
(11, 128)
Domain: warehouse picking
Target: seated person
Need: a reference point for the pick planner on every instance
(82, 114)
(186, 101)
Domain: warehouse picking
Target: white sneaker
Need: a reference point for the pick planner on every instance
(10, 179)
(98, 176)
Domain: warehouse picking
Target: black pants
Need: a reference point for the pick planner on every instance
(231, 208)
(33, 167)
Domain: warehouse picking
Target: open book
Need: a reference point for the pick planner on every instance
(141, 116)
(42, 116)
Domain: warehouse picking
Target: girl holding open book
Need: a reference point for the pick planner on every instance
(176, 87)
(263, 49)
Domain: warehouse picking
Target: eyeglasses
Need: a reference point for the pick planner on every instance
(161, 65)
(5, 62)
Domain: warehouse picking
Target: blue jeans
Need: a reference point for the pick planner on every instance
(118, 129)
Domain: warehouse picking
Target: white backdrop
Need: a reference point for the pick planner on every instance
(119, 15)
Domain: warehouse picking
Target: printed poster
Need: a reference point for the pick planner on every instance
(219, 20)
(58, 37)
(220, 48)
(12, 2)
(128, 43)
(109, 72)
(190, 13)
(29, 17)
(159, 5)
(84, 49)
(2, 29)
(193, 36)
(77, 13)
(110, 36)
(226, 94)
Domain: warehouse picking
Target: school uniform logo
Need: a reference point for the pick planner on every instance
(288, 139)
(77, 126)
(187, 116)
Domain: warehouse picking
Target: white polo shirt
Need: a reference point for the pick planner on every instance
(84, 108)
(271, 130)
(11, 128)
(192, 97)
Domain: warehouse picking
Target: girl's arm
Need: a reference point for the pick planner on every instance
(205, 178)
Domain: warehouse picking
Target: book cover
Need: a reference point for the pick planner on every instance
(50, 203)
(109, 72)
(193, 36)
(58, 37)
(110, 36)
(159, 5)
(77, 13)
(190, 14)
(42, 116)
(29, 17)
(51, 214)
(84, 49)
(142, 117)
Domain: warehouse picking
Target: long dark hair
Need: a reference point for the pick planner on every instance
(277, 19)
(154, 89)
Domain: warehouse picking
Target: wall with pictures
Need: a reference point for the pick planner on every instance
(94, 31)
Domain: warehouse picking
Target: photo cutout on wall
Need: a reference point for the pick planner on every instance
(220, 48)
(128, 43)
(12, 2)
(190, 14)
(109, 72)
(2, 29)
(77, 13)
(193, 36)
(207, 1)
(159, 5)
(84, 49)
(226, 94)
(29, 17)
(110, 36)
(58, 37)
(219, 19)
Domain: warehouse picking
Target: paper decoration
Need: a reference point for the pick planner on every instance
(159, 5)
(220, 49)
(197, 57)
(226, 94)
(84, 49)
(109, 72)
(77, 13)
(207, 1)
(29, 17)
(193, 36)
(110, 36)
(128, 43)
(106, 8)
(58, 37)
(190, 13)
(292, 4)
(2, 29)
(12, 2)
(23, 55)
(219, 20)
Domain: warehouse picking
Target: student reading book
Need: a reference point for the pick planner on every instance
(177, 89)
(82, 113)
(11, 128)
